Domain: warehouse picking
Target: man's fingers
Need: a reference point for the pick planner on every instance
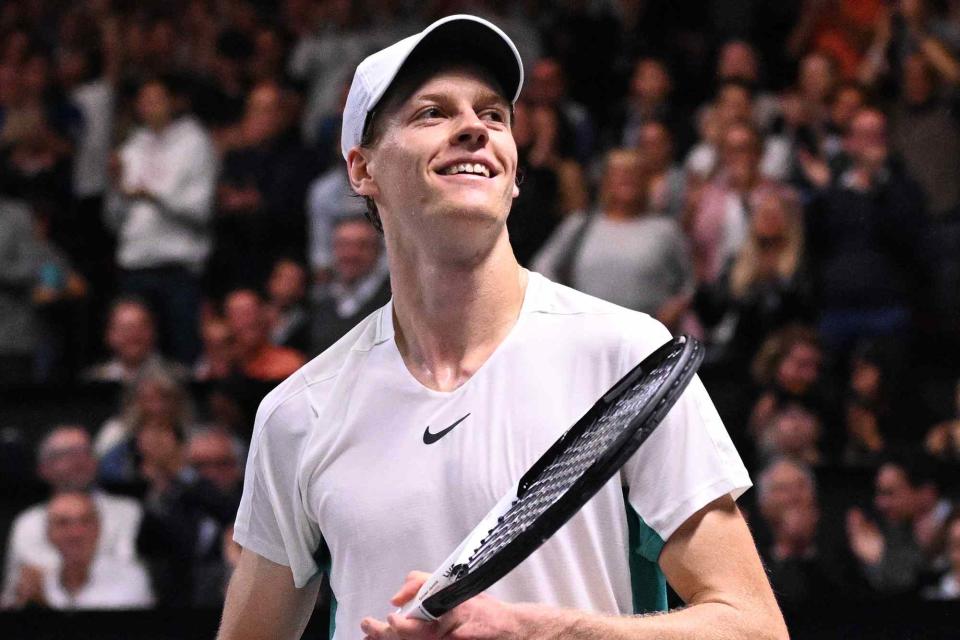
(412, 628)
(377, 630)
(414, 581)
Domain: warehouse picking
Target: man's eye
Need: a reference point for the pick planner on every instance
(429, 113)
(496, 115)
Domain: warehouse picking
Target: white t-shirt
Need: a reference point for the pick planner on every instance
(339, 477)
(114, 583)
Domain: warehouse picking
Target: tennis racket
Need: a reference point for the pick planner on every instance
(571, 472)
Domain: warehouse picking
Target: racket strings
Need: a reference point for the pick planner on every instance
(570, 465)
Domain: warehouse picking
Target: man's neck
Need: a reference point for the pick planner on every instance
(450, 318)
(74, 576)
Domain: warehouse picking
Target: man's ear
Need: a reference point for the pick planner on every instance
(358, 171)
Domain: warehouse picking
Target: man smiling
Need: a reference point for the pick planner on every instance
(348, 472)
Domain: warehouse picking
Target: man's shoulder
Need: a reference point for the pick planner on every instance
(306, 390)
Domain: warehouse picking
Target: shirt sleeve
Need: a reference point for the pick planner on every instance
(273, 520)
(686, 463)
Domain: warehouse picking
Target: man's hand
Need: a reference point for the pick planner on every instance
(864, 537)
(479, 618)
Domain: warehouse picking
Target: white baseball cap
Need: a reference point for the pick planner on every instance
(467, 36)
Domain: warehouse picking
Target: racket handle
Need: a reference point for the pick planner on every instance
(414, 609)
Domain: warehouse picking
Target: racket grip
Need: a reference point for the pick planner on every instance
(414, 609)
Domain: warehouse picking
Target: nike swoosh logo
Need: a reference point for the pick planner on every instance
(430, 438)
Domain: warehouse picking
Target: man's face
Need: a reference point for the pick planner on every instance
(737, 60)
(894, 497)
(786, 486)
(73, 527)
(155, 105)
(356, 249)
(245, 318)
(446, 158)
(214, 458)
(66, 461)
(866, 139)
(655, 148)
(740, 154)
(130, 334)
(288, 283)
(651, 82)
(800, 368)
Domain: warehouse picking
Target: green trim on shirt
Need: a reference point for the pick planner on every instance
(647, 582)
(325, 562)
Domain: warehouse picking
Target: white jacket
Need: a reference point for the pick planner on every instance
(179, 166)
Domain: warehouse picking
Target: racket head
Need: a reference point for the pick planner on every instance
(647, 392)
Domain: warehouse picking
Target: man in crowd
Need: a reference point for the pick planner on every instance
(66, 463)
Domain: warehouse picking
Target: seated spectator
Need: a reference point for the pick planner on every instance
(895, 553)
(734, 104)
(132, 340)
(788, 368)
(719, 224)
(553, 184)
(286, 305)
(762, 289)
(737, 60)
(216, 358)
(948, 586)
(360, 285)
(622, 252)
(862, 239)
(157, 401)
(83, 577)
(255, 356)
(804, 563)
(18, 274)
(943, 440)
(666, 180)
(160, 202)
(66, 463)
(792, 433)
(547, 87)
(216, 457)
(847, 100)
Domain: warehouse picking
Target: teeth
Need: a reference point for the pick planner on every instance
(467, 167)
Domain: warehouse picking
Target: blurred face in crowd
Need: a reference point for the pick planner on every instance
(769, 228)
(651, 82)
(66, 461)
(894, 497)
(73, 527)
(155, 105)
(784, 484)
(799, 369)
(130, 333)
(623, 186)
(546, 85)
(816, 78)
(246, 319)
(866, 140)
(263, 118)
(655, 147)
(847, 102)
(734, 104)
(737, 61)
(794, 431)
(356, 250)
(918, 80)
(214, 457)
(740, 155)
(158, 399)
(288, 284)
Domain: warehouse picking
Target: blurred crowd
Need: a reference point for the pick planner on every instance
(177, 235)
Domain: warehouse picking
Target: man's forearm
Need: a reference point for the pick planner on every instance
(698, 622)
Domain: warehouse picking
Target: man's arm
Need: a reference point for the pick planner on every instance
(710, 561)
(262, 601)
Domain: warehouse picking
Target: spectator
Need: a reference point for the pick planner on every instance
(862, 230)
(132, 341)
(763, 288)
(925, 133)
(666, 181)
(261, 194)
(286, 305)
(216, 458)
(720, 222)
(622, 252)
(943, 440)
(159, 204)
(65, 462)
(793, 433)
(83, 577)
(948, 587)
(547, 87)
(18, 273)
(157, 401)
(847, 100)
(360, 284)
(552, 186)
(256, 357)
(649, 98)
(216, 359)
(737, 60)
(894, 554)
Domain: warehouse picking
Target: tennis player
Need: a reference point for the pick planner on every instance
(377, 457)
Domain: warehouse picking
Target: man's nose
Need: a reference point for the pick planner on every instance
(470, 130)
